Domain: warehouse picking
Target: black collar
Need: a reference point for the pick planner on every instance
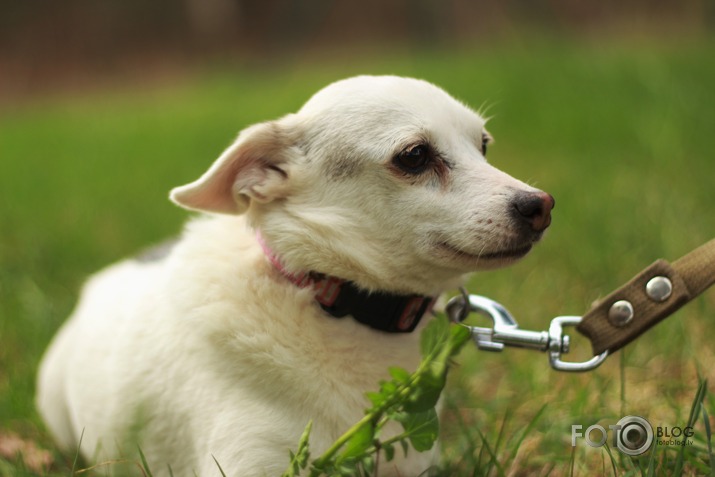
(382, 311)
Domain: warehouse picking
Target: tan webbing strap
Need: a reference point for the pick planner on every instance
(698, 268)
(648, 298)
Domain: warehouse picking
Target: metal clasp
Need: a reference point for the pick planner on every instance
(506, 332)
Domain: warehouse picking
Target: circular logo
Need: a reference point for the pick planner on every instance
(635, 435)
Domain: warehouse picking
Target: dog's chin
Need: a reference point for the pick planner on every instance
(486, 259)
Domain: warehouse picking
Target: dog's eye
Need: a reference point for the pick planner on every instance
(485, 141)
(414, 159)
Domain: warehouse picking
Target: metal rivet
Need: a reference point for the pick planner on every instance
(659, 289)
(621, 313)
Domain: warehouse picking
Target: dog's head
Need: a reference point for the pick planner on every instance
(378, 180)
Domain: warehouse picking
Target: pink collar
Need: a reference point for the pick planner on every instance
(326, 288)
(338, 297)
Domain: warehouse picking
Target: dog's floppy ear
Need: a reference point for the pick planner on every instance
(252, 168)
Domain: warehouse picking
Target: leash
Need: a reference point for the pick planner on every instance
(651, 296)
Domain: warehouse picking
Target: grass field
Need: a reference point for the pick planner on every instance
(622, 136)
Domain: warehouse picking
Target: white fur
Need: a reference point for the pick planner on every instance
(211, 352)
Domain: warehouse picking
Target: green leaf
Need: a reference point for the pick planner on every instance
(293, 463)
(368, 466)
(410, 397)
(426, 393)
(299, 460)
(399, 374)
(389, 451)
(348, 469)
(303, 453)
(359, 442)
(434, 335)
(377, 399)
(405, 447)
(387, 388)
(458, 336)
(422, 428)
(443, 342)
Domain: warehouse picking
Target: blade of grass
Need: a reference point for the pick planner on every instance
(622, 369)
(708, 438)
(482, 453)
(502, 428)
(494, 460)
(471, 442)
(650, 472)
(603, 464)
(109, 463)
(145, 465)
(218, 465)
(529, 427)
(551, 469)
(613, 460)
(76, 455)
(694, 413)
(699, 396)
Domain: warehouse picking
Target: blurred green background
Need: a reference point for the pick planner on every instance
(104, 106)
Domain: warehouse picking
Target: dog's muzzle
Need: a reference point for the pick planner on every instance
(533, 210)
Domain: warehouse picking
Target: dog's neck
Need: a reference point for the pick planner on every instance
(382, 311)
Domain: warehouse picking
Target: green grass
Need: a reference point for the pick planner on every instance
(621, 134)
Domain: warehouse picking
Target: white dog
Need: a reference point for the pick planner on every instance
(330, 233)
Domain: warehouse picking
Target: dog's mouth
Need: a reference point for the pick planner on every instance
(505, 255)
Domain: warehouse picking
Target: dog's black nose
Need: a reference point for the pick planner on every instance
(534, 208)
